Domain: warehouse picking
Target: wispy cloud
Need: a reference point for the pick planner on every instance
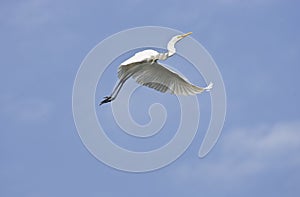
(249, 152)
(26, 109)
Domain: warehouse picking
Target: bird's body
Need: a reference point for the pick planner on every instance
(145, 69)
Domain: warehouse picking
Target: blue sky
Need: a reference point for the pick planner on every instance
(255, 44)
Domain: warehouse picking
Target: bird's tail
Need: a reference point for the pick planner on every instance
(209, 87)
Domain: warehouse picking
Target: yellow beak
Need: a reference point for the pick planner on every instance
(184, 35)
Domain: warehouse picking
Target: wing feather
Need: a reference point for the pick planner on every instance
(163, 79)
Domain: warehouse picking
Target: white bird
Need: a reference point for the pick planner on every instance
(144, 68)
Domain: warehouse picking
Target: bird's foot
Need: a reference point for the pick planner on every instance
(106, 99)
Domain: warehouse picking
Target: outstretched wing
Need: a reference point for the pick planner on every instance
(153, 75)
(164, 79)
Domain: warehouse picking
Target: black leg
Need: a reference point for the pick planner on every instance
(115, 92)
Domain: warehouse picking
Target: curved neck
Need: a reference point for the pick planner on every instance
(171, 45)
(171, 48)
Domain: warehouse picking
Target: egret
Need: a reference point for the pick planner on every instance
(145, 70)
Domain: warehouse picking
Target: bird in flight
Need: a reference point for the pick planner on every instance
(145, 69)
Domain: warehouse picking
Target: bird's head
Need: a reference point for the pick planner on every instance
(174, 40)
(179, 37)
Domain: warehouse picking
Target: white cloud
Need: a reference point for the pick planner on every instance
(248, 152)
(26, 109)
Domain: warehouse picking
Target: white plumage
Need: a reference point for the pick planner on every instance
(144, 68)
